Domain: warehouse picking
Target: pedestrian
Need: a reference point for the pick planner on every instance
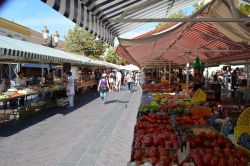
(118, 80)
(234, 85)
(70, 89)
(111, 81)
(130, 81)
(103, 88)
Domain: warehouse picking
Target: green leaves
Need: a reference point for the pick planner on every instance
(112, 57)
(80, 41)
(245, 8)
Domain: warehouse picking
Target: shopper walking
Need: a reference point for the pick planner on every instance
(111, 81)
(130, 81)
(118, 80)
(70, 89)
(103, 88)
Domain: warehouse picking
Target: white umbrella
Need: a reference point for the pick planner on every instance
(130, 67)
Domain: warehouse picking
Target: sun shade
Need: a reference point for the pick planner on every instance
(181, 43)
(95, 15)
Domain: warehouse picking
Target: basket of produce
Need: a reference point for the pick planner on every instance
(153, 156)
(242, 136)
(244, 119)
(218, 156)
(200, 111)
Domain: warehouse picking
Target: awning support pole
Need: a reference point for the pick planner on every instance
(9, 73)
(187, 76)
(180, 20)
(233, 9)
(165, 70)
(169, 79)
(227, 78)
(248, 83)
(207, 81)
(42, 72)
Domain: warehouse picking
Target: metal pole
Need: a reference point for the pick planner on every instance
(159, 70)
(169, 67)
(187, 79)
(9, 73)
(233, 8)
(227, 78)
(181, 20)
(165, 70)
(207, 75)
(42, 72)
(248, 83)
(1, 71)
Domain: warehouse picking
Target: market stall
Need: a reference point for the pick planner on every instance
(44, 79)
(174, 130)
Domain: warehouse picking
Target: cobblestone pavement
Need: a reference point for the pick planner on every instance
(91, 134)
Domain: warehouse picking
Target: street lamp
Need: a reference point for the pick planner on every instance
(49, 43)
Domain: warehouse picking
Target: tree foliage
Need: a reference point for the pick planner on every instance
(245, 8)
(197, 6)
(112, 57)
(179, 14)
(80, 41)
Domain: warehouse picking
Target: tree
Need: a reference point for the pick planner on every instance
(179, 14)
(245, 8)
(197, 6)
(112, 57)
(80, 41)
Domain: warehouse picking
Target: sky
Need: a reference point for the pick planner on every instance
(35, 14)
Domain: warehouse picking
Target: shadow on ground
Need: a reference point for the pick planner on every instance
(115, 101)
(12, 127)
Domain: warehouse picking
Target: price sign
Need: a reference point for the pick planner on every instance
(183, 153)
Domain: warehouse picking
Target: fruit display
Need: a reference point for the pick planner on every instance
(156, 87)
(157, 140)
(152, 156)
(219, 157)
(15, 94)
(3, 96)
(191, 120)
(210, 140)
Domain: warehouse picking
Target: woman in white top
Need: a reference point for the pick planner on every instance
(111, 81)
(70, 90)
(20, 81)
(130, 81)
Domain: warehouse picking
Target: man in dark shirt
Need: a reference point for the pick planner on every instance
(49, 78)
(234, 81)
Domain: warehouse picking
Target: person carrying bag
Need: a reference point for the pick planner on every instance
(103, 88)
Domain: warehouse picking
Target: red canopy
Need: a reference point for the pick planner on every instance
(212, 42)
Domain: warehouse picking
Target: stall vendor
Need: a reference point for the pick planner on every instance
(198, 75)
(49, 78)
(20, 81)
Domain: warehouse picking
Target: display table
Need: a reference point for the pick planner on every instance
(244, 92)
(80, 86)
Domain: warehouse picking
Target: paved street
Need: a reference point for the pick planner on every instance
(91, 134)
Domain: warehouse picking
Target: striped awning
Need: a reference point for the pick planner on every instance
(95, 15)
(14, 50)
(179, 43)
